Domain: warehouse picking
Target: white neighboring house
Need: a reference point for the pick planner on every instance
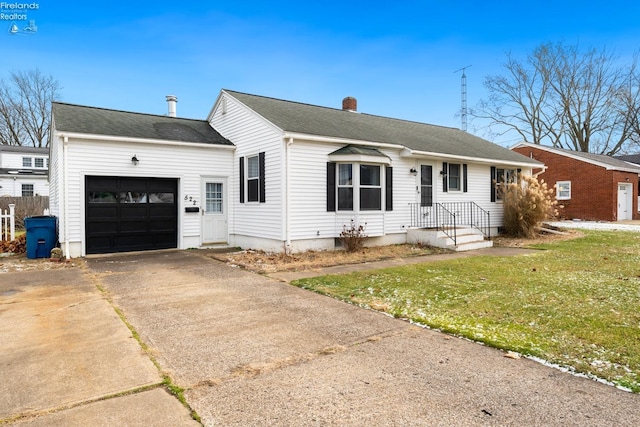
(267, 174)
(23, 171)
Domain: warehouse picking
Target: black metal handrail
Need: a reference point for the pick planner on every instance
(447, 216)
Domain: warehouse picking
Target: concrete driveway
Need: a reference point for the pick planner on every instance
(254, 351)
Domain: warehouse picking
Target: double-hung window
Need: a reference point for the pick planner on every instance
(26, 162)
(454, 177)
(252, 178)
(39, 162)
(370, 188)
(359, 179)
(345, 187)
(563, 190)
(504, 177)
(359, 187)
(27, 190)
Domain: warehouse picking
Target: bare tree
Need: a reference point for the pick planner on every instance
(564, 97)
(25, 108)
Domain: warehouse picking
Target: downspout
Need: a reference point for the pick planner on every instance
(65, 228)
(287, 200)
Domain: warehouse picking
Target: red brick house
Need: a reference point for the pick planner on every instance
(591, 187)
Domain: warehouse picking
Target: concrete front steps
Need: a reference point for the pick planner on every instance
(467, 239)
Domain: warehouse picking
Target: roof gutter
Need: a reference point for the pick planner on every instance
(409, 152)
(336, 140)
(406, 152)
(125, 139)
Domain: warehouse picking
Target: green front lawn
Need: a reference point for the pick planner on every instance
(576, 303)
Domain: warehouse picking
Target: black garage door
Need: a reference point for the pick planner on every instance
(130, 214)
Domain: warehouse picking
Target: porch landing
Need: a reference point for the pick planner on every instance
(467, 238)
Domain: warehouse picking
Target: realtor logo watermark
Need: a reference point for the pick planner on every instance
(19, 17)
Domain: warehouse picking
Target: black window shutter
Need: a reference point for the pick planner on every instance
(445, 171)
(241, 179)
(262, 184)
(464, 178)
(518, 172)
(388, 188)
(493, 183)
(331, 187)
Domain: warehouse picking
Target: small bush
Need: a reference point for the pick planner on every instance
(526, 203)
(353, 237)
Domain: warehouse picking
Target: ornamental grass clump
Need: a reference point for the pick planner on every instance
(527, 203)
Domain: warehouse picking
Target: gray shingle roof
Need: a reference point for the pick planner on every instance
(610, 162)
(24, 149)
(631, 158)
(354, 149)
(101, 121)
(323, 121)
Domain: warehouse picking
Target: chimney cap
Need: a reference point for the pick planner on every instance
(350, 104)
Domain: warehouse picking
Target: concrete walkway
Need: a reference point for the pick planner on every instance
(253, 351)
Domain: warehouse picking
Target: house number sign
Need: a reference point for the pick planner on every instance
(190, 199)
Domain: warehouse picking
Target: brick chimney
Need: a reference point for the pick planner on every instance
(350, 104)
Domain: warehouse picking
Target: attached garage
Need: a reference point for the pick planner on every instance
(122, 181)
(130, 214)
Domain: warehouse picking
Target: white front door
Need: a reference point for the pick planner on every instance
(625, 202)
(214, 211)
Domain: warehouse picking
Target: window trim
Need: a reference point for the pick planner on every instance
(450, 175)
(377, 187)
(347, 186)
(244, 178)
(253, 180)
(33, 190)
(558, 184)
(385, 190)
(508, 176)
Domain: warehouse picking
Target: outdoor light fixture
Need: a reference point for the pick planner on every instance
(134, 160)
(413, 171)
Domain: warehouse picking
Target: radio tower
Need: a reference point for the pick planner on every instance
(463, 109)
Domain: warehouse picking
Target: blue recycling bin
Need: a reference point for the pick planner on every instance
(42, 235)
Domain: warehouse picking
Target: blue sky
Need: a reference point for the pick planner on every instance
(397, 58)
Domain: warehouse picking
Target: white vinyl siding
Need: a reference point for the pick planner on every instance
(252, 135)
(11, 158)
(187, 164)
(309, 218)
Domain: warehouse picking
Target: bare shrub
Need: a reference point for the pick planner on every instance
(526, 203)
(353, 237)
(25, 206)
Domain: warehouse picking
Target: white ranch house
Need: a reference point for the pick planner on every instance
(267, 174)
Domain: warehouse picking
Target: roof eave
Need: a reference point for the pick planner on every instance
(416, 153)
(572, 156)
(113, 138)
